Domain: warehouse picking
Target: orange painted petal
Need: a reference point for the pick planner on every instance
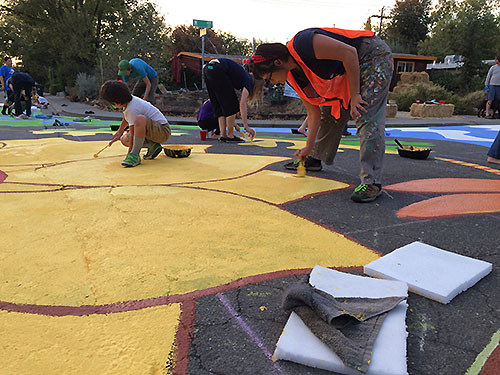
(452, 205)
(447, 185)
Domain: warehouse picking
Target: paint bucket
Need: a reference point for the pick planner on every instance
(203, 135)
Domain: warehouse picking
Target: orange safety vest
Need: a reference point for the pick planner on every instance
(332, 92)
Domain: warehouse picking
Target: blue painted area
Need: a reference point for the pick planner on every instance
(482, 135)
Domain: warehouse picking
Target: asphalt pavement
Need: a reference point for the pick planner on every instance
(65, 107)
(442, 339)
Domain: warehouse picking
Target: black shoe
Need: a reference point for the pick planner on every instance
(297, 131)
(223, 139)
(235, 139)
(311, 164)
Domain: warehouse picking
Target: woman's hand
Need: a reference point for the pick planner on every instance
(357, 106)
(250, 131)
(303, 153)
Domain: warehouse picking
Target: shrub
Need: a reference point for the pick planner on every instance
(464, 105)
(86, 86)
(472, 101)
(422, 92)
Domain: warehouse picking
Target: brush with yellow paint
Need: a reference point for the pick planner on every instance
(102, 149)
(247, 136)
(301, 169)
(113, 140)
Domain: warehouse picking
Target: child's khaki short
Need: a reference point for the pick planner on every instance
(156, 131)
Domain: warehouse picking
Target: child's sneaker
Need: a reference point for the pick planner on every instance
(153, 151)
(131, 160)
(366, 193)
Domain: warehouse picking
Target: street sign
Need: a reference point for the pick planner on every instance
(201, 23)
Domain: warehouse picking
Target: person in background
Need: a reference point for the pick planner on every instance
(6, 72)
(494, 151)
(493, 84)
(336, 72)
(146, 75)
(207, 120)
(148, 127)
(22, 85)
(38, 100)
(222, 77)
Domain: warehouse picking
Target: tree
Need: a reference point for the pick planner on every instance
(126, 37)
(56, 40)
(187, 38)
(408, 24)
(468, 28)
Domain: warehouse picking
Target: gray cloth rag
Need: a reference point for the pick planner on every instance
(348, 326)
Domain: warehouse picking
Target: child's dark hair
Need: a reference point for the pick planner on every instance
(115, 92)
(271, 52)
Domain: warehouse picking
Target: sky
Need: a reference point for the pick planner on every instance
(273, 20)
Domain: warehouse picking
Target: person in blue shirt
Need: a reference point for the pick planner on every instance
(224, 76)
(6, 72)
(145, 74)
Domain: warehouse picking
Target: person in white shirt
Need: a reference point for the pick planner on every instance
(148, 126)
(493, 84)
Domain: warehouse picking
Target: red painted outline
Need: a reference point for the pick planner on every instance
(118, 307)
(492, 364)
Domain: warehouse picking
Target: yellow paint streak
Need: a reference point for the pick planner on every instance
(287, 186)
(136, 342)
(109, 244)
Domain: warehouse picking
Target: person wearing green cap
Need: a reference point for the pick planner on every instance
(139, 69)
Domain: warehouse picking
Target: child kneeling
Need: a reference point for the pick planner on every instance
(148, 127)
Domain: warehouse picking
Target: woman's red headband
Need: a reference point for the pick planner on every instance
(256, 59)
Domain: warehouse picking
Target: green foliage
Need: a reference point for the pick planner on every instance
(86, 86)
(408, 25)
(420, 91)
(72, 36)
(233, 45)
(470, 28)
(449, 79)
(464, 105)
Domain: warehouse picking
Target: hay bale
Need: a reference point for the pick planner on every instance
(431, 110)
(420, 77)
(406, 78)
(392, 110)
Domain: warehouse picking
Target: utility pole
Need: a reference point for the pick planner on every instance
(204, 25)
(381, 16)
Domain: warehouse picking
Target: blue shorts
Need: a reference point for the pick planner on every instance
(494, 92)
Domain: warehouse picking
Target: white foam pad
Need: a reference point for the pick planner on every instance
(429, 271)
(298, 344)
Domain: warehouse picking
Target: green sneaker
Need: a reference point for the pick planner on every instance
(366, 193)
(131, 160)
(153, 151)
